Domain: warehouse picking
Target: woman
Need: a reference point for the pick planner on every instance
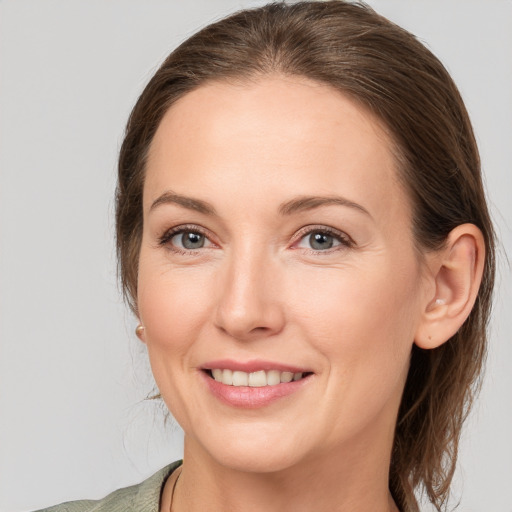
(303, 236)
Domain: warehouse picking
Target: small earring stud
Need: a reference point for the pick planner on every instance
(139, 330)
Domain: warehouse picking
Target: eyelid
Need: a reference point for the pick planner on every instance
(167, 236)
(344, 238)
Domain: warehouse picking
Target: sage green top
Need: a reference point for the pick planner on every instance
(143, 497)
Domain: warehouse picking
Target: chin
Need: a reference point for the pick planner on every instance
(256, 460)
(254, 451)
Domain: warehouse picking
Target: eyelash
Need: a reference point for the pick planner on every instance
(346, 241)
(187, 228)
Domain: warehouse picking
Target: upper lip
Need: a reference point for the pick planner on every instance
(252, 366)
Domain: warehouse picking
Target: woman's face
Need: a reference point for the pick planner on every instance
(277, 241)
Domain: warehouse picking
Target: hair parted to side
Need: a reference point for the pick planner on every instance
(354, 50)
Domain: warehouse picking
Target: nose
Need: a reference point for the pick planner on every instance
(249, 305)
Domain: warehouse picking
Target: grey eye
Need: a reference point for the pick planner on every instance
(321, 241)
(189, 240)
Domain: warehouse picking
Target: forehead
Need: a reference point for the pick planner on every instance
(287, 135)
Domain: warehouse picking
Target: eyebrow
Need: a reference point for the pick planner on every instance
(298, 204)
(190, 203)
(310, 202)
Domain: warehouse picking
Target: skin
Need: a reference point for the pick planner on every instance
(257, 290)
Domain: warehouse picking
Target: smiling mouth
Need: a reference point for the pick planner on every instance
(256, 379)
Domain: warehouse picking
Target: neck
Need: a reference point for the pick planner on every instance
(341, 481)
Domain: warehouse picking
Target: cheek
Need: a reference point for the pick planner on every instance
(362, 319)
(363, 324)
(172, 306)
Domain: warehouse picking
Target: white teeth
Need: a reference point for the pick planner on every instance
(286, 376)
(273, 377)
(227, 377)
(257, 379)
(240, 378)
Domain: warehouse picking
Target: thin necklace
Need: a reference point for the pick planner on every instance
(173, 488)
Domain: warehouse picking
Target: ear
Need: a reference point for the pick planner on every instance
(456, 271)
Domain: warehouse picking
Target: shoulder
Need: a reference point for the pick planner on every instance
(143, 497)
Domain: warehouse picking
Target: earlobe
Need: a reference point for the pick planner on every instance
(140, 332)
(457, 273)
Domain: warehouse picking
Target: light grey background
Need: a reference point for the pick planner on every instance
(73, 422)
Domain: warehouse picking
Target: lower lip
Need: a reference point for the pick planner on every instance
(247, 397)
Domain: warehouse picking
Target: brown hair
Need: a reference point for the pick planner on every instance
(382, 66)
